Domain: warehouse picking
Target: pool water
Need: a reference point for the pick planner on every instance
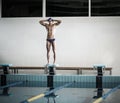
(65, 95)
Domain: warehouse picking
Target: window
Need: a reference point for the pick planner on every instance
(63, 8)
(60, 8)
(105, 7)
(21, 8)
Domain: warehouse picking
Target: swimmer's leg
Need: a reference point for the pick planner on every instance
(48, 46)
(54, 52)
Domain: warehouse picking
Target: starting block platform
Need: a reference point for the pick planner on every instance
(5, 65)
(58, 80)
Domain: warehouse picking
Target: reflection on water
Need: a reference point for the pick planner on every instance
(65, 95)
(71, 95)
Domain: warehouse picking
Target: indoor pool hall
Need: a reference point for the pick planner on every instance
(59, 51)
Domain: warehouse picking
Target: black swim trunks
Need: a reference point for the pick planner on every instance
(51, 40)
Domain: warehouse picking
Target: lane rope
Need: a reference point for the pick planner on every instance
(10, 85)
(47, 93)
(107, 94)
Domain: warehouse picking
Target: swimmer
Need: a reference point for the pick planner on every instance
(50, 40)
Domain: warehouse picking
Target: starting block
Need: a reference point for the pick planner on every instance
(51, 65)
(4, 78)
(5, 65)
(50, 68)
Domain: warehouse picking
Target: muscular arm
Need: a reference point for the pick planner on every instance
(43, 22)
(57, 22)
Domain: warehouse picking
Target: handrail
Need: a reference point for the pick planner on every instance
(59, 68)
(79, 69)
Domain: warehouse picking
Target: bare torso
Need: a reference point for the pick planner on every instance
(50, 31)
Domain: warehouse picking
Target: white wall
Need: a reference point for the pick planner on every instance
(79, 42)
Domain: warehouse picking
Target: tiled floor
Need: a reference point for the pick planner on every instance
(66, 95)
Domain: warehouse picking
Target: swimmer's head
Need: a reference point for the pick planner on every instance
(50, 19)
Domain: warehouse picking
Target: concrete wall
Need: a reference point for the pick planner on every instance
(80, 41)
